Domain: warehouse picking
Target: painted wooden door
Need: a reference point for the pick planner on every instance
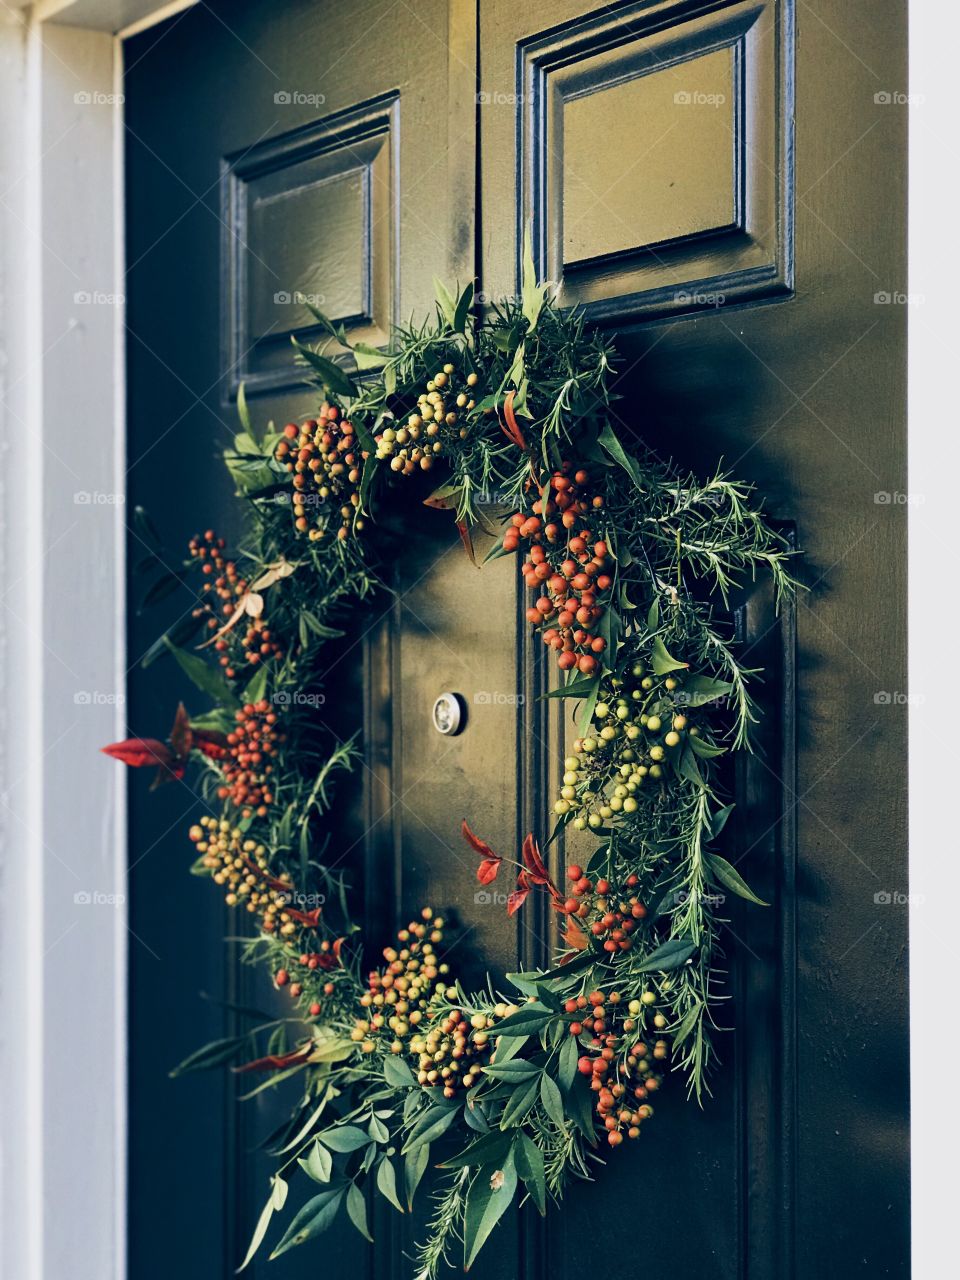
(722, 184)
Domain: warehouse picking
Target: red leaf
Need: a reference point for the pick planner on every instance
(574, 936)
(516, 900)
(510, 427)
(487, 870)
(181, 735)
(277, 1061)
(475, 843)
(533, 862)
(467, 540)
(309, 918)
(138, 752)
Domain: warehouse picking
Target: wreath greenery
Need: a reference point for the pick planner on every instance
(630, 564)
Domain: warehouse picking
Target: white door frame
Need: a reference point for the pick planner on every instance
(63, 660)
(64, 933)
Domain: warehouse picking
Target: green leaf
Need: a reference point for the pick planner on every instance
(278, 1195)
(528, 1019)
(705, 750)
(387, 1183)
(145, 528)
(552, 1100)
(462, 312)
(515, 1071)
(446, 301)
(313, 1219)
(436, 1121)
(587, 710)
(377, 1130)
(673, 953)
(720, 819)
(414, 1167)
(331, 375)
(257, 687)
(731, 879)
(357, 1210)
(243, 412)
(579, 687)
(250, 475)
(608, 441)
(532, 293)
(318, 1164)
(520, 1102)
(686, 765)
(687, 1023)
(204, 676)
(347, 1137)
(569, 1053)
(368, 357)
(489, 1149)
(699, 689)
(529, 1162)
(486, 1206)
(215, 1054)
(661, 661)
(580, 1109)
(397, 1073)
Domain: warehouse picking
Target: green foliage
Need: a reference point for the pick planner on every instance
(681, 548)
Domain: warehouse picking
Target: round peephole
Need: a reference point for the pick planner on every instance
(448, 714)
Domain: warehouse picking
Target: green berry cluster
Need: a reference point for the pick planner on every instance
(638, 727)
(438, 418)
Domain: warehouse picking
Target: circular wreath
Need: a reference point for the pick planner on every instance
(629, 563)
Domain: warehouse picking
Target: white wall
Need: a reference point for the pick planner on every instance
(63, 934)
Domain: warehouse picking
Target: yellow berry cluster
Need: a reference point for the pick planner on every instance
(439, 414)
(240, 865)
(634, 734)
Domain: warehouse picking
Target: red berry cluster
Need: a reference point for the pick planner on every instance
(622, 1076)
(251, 641)
(615, 914)
(324, 459)
(246, 767)
(574, 579)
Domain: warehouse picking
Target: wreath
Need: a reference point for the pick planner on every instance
(630, 564)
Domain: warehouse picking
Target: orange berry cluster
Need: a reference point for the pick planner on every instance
(325, 460)
(614, 914)
(573, 581)
(240, 865)
(622, 1071)
(251, 641)
(408, 1014)
(247, 768)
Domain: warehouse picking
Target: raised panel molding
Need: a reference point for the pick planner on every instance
(313, 207)
(656, 156)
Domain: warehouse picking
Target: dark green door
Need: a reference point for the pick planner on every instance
(702, 177)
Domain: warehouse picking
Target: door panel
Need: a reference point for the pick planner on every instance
(270, 148)
(759, 342)
(701, 174)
